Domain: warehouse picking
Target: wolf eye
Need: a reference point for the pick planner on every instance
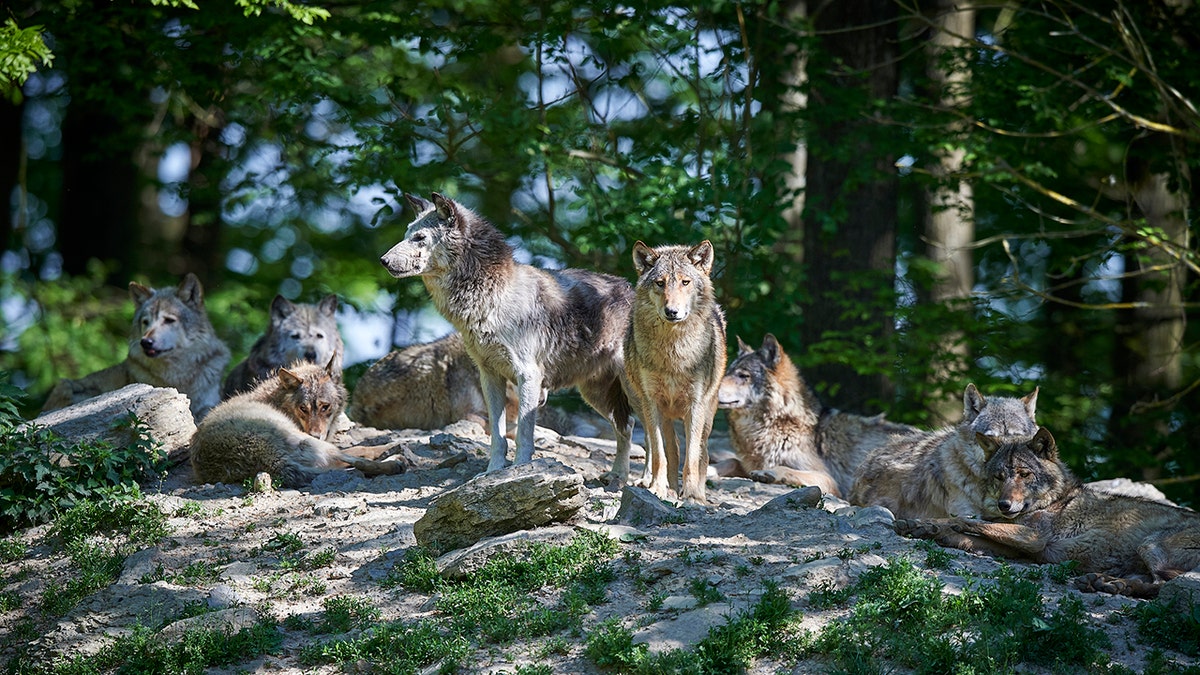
(296, 335)
(418, 237)
(660, 282)
(685, 282)
(1024, 474)
(168, 319)
(320, 336)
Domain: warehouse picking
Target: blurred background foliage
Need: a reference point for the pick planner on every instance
(911, 195)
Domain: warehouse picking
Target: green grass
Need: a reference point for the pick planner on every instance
(900, 617)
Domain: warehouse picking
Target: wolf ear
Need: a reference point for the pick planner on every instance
(281, 308)
(328, 304)
(289, 379)
(973, 403)
(771, 350)
(743, 348)
(139, 293)
(445, 209)
(190, 291)
(989, 444)
(1042, 444)
(1030, 402)
(334, 358)
(419, 205)
(644, 257)
(701, 256)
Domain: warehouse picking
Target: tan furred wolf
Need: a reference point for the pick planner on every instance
(937, 474)
(295, 332)
(674, 359)
(423, 386)
(1123, 544)
(280, 427)
(542, 330)
(171, 344)
(781, 432)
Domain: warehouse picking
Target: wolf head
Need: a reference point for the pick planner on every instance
(748, 378)
(311, 395)
(305, 332)
(674, 278)
(1024, 475)
(1000, 416)
(167, 319)
(436, 239)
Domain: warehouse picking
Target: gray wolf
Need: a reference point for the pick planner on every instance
(280, 427)
(781, 432)
(1123, 544)
(540, 329)
(296, 332)
(423, 386)
(937, 474)
(171, 344)
(674, 359)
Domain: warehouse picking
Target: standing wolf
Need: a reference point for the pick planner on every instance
(937, 474)
(1124, 544)
(423, 386)
(171, 344)
(296, 332)
(540, 329)
(674, 358)
(782, 433)
(280, 427)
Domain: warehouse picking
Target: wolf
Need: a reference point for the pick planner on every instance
(280, 427)
(423, 386)
(171, 344)
(937, 474)
(307, 332)
(782, 434)
(539, 329)
(674, 359)
(1125, 545)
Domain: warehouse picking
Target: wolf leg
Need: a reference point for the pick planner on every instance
(654, 478)
(695, 459)
(671, 453)
(1103, 583)
(495, 396)
(1015, 538)
(372, 467)
(529, 397)
(797, 478)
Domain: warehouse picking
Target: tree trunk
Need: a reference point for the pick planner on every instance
(950, 205)
(851, 199)
(12, 155)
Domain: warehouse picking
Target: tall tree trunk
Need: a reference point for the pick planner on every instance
(851, 197)
(1149, 346)
(949, 219)
(12, 156)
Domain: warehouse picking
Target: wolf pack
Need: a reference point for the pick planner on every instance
(653, 350)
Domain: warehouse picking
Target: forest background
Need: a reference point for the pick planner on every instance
(910, 195)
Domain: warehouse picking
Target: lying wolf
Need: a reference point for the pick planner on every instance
(296, 332)
(171, 344)
(781, 432)
(1126, 545)
(674, 358)
(539, 329)
(423, 386)
(938, 474)
(280, 427)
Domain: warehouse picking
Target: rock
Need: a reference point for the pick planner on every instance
(800, 498)
(684, 631)
(462, 562)
(165, 411)
(640, 508)
(519, 497)
(873, 515)
(1182, 593)
(228, 621)
(222, 596)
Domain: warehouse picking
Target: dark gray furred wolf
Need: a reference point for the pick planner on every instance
(539, 329)
(295, 332)
(1124, 544)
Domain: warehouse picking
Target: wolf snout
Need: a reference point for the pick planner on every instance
(310, 355)
(674, 315)
(149, 349)
(1009, 508)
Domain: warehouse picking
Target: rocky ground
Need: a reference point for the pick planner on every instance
(220, 554)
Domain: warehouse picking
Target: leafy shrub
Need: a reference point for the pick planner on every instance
(42, 474)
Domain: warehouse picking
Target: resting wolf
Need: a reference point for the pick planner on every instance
(1125, 545)
(171, 344)
(539, 329)
(296, 332)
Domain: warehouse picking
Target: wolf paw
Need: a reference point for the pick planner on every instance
(1103, 583)
(917, 528)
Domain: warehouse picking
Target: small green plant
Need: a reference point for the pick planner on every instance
(704, 592)
(416, 571)
(96, 566)
(9, 600)
(196, 573)
(610, 645)
(1168, 627)
(656, 601)
(344, 612)
(936, 557)
(12, 549)
(1064, 571)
